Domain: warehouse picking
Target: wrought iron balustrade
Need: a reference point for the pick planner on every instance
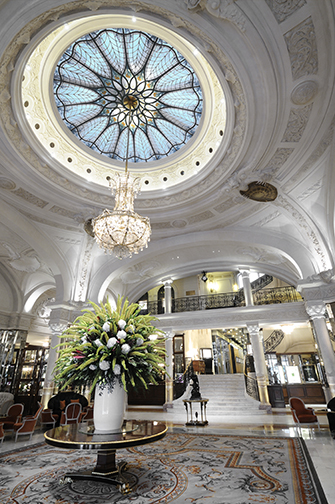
(273, 340)
(251, 385)
(225, 300)
(212, 301)
(275, 296)
(261, 282)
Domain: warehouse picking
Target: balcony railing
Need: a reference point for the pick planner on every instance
(277, 295)
(225, 300)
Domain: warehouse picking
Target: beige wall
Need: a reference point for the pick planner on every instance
(196, 339)
(301, 340)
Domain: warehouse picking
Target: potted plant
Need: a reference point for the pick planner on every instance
(110, 351)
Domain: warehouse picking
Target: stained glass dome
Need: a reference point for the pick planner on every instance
(114, 80)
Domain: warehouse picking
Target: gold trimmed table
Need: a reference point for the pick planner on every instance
(82, 437)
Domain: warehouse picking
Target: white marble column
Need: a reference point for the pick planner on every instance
(169, 369)
(249, 301)
(48, 387)
(60, 317)
(317, 312)
(167, 295)
(256, 340)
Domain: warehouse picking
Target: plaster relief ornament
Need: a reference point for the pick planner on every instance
(260, 191)
(195, 4)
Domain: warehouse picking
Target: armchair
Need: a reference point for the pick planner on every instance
(72, 414)
(28, 424)
(303, 415)
(48, 417)
(14, 415)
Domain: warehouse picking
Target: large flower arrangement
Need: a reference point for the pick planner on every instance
(103, 346)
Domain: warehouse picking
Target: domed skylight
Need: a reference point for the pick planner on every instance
(112, 78)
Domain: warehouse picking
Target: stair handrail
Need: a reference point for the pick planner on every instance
(251, 385)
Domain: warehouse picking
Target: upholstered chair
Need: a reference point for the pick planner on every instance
(303, 415)
(72, 414)
(28, 424)
(14, 415)
(48, 418)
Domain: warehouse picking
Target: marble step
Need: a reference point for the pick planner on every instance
(226, 396)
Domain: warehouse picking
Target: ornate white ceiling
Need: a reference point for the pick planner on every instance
(274, 62)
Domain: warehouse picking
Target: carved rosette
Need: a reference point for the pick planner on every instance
(304, 92)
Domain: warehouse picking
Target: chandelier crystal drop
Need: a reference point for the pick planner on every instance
(122, 231)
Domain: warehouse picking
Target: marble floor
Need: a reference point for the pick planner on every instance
(320, 443)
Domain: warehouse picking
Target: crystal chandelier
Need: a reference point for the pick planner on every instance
(122, 231)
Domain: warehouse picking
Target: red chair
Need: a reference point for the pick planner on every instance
(301, 414)
(14, 415)
(72, 414)
(28, 424)
(2, 433)
(48, 418)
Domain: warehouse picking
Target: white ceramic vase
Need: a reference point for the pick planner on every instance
(109, 409)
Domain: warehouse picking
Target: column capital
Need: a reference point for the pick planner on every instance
(245, 273)
(253, 329)
(315, 310)
(167, 282)
(169, 333)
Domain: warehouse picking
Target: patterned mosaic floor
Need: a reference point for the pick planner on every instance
(182, 468)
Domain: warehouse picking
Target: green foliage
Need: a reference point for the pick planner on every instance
(104, 346)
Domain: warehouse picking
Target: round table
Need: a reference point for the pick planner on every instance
(82, 437)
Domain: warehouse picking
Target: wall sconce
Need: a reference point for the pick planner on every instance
(204, 277)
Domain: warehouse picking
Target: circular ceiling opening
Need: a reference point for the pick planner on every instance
(82, 83)
(112, 80)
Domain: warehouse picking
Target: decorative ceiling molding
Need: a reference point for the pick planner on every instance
(314, 188)
(15, 136)
(320, 253)
(6, 183)
(302, 50)
(284, 9)
(267, 219)
(30, 198)
(273, 166)
(322, 146)
(260, 255)
(304, 92)
(82, 281)
(225, 9)
(297, 123)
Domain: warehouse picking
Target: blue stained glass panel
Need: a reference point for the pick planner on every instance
(113, 80)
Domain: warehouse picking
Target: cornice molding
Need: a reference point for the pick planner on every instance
(234, 317)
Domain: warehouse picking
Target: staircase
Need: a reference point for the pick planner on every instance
(226, 394)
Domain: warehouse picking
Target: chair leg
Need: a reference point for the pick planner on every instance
(16, 435)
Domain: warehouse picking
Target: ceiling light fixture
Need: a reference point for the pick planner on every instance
(123, 231)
